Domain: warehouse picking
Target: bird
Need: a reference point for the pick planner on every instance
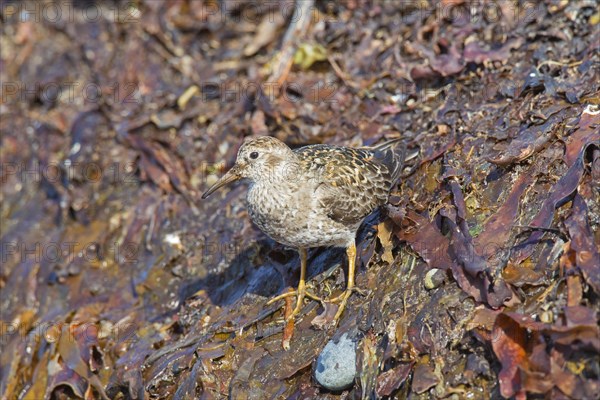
(314, 196)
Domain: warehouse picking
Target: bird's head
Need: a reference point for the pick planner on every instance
(259, 158)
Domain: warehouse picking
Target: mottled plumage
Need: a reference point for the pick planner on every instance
(316, 195)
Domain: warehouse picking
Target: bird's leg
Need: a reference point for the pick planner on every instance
(301, 292)
(301, 285)
(343, 298)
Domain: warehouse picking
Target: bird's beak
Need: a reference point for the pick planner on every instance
(231, 176)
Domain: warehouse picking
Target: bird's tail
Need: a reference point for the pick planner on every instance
(394, 151)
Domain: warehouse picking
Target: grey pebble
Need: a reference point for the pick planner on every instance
(434, 278)
(336, 365)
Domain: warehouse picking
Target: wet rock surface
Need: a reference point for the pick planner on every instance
(117, 281)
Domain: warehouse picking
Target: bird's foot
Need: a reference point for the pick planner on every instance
(294, 293)
(342, 299)
(300, 294)
(342, 304)
(346, 293)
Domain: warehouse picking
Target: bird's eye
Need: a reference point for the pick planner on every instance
(254, 155)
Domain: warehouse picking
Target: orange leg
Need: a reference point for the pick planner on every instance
(343, 298)
(301, 292)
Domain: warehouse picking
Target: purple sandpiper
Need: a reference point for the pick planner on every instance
(314, 196)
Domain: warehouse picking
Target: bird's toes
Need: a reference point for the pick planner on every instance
(282, 296)
(342, 305)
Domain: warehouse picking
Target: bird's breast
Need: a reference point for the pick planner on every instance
(273, 208)
(292, 216)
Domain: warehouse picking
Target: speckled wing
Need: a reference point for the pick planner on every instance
(350, 182)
